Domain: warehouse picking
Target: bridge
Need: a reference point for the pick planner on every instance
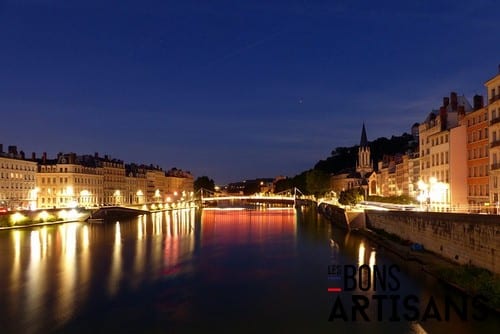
(289, 197)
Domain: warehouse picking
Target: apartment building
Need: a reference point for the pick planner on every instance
(477, 125)
(493, 108)
(68, 181)
(442, 145)
(17, 180)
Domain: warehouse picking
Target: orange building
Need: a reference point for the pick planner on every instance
(477, 156)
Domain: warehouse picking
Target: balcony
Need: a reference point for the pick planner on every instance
(495, 143)
(494, 98)
(495, 120)
(495, 166)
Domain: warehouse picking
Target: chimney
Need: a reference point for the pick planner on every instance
(446, 101)
(22, 155)
(443, 118)
(33, 156)
(454, 101)
(44, 157)
(13, 150)
(478, 102)
(461, 112)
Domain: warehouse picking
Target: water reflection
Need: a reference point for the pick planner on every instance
(67, 271)
(156, 269)
(116, 262)
(35, 279)
(255, 226)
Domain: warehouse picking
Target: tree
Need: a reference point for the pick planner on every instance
(317, 182)
(351, 196)
(204, 182)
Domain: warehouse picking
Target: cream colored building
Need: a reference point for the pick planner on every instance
(398, 175)
(115, 188)
(17, 180)
(493, 87)
(135, 184)
(69, 181)
(442, 145)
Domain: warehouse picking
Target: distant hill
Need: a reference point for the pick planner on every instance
(342, 158)
(345, 157)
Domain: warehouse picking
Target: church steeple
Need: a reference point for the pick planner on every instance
(364, 140)
(364, 165)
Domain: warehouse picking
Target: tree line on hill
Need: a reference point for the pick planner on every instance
(316, 181)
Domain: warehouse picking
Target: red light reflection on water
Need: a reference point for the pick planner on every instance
(234, 226)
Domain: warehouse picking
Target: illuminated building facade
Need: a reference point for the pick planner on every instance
(442, 145)
(115, 188)
(135, 184)
(493, 88)
(69, 181)
(17, 179)
(477, 125)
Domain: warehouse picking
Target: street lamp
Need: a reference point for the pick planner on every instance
(424, 193)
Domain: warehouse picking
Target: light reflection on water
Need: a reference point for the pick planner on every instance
(227, 269)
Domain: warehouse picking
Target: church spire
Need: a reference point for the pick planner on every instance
(365, 164)
(364, 140)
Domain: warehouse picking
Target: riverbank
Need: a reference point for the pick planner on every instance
(466, 279)
(28, 218)
(38, 224)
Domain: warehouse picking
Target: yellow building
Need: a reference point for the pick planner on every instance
(115, 188)
(69, 181)
(493, 87)
(135, 184)
(179, 181)
(17, 180)
(442, 145)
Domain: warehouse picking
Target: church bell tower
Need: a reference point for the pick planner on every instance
(364, 164)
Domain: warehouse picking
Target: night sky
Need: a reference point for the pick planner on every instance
(233, 89)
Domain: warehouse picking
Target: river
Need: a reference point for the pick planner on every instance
(233, 270)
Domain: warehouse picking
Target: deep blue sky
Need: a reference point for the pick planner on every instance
(233, 89)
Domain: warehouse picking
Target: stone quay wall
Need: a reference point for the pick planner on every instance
(463, 238)
(346, 219)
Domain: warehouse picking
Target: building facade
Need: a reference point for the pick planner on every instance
(69, 181)
(477, 125)
(493, 89)
(17, 180)
(442, 145)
